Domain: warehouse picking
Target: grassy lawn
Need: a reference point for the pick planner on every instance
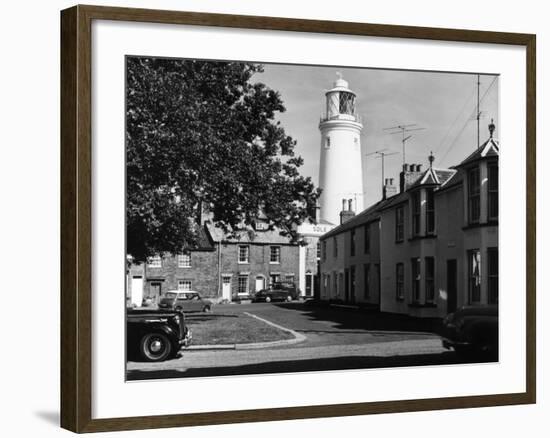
(215, 329)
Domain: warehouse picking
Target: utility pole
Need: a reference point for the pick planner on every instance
(478, 113)
(402, 129)
(382, 154)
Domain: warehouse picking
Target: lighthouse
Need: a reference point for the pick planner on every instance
(340, 171)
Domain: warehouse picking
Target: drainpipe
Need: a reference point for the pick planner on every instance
(219, 270)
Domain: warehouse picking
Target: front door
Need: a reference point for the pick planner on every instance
(136, 290)
(451, 286)
(309, 284)
(346, 286)
(260, 283)
(155, 290)
(226, 288)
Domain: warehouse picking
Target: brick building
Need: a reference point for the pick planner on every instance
(221, 267)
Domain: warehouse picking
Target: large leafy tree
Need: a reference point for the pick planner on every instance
(202, 134)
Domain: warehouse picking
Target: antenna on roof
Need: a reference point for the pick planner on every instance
(382, 154)
(402, 129)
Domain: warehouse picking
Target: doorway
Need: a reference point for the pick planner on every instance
(260, 283)
(309, 285)
(226, 287)
(451, 286)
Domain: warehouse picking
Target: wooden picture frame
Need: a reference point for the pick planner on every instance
(76, 217)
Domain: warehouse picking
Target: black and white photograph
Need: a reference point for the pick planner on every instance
(286, 218)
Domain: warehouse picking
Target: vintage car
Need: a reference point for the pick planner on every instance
(283, 291)
(155, 335)
(472, 331)
(186, 301)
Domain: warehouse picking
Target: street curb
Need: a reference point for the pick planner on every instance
(298, 337)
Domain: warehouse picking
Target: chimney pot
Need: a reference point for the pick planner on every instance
(350, 205)
(343, 205)
(419, 167)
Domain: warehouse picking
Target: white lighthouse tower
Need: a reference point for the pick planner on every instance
(340, 172)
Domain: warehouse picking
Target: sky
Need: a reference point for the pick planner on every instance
(442, 103)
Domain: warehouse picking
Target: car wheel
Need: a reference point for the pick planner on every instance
(267, 299)
(206, 309)
(155, 347)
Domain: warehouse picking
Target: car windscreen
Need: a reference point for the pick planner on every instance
(170, 295)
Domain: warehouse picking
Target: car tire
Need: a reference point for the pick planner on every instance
(207, 309)
(155, 347)
(268, 299)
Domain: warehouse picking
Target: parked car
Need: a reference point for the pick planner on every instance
(283, 291)
(472, 331)
(155, 335)
(188, 301)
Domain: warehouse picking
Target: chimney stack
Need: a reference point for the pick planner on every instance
(409, 175)
(346, 215)
(389, 189)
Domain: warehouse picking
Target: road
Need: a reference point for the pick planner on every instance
(336, 338)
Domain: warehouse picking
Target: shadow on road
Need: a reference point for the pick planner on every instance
(364, 319)
(294, 366)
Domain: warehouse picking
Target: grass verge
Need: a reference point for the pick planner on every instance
(219, 329)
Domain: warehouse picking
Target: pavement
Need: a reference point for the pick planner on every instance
(329, 339)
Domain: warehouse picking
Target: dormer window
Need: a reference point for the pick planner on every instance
(474, 209)
(492, 171)
(430, 211)
(416, 213)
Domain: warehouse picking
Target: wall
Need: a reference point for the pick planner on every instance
(30, 223)
(203, 274)
(259, 264)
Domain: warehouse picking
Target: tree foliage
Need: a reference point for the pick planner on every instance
(201, 133)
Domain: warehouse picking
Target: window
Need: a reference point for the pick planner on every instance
(274, 254)
(415, 277)
(324, 250)
(493, 191)
(352, 243)
(184, 284)
(335, 283)
(274, 278)
(399, 224)
(347, 103)
(184, 260)
(400, 281)
(366, 270)
(289, 278)
(335, 246)
(430, 211)
(473, 195)
(429, 279)
(242, 286)
(416, 213)
(367, 239)
(327, 143)
(492, 273)
(244, 254)
(155, 262)
(327, 284)
(318, 250)
(474, 275)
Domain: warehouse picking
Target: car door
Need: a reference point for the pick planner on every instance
(195, 303)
